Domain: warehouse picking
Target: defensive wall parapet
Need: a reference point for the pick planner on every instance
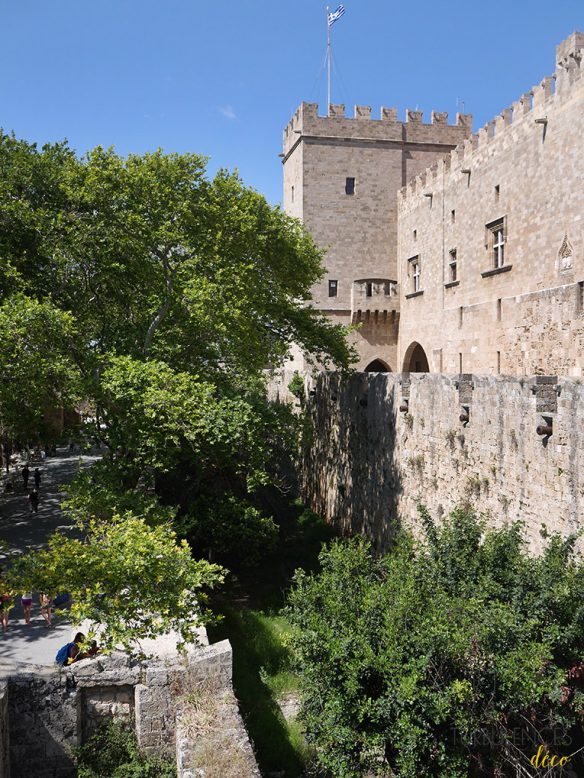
(363, 127)
(381, 443)
(531, 113)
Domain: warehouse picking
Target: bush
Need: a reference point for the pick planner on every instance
(112, 752)
(296, 386)
(456, 656)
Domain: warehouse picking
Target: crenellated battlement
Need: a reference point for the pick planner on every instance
(533, 112)
(306, 122)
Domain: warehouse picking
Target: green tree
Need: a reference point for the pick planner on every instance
(37, 366)
(456, 656)
(129, 580)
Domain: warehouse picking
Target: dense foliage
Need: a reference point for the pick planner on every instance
(112, 752)
(460, 655)
(157, 297)
(129, 580)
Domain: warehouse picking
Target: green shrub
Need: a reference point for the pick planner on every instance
(112, 752)
(296, 385)
(456, 656)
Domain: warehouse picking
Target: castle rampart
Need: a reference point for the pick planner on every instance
(381, 443)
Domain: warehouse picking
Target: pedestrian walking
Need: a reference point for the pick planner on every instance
(37, 478)
(33, 499)
(26, 600)
(5, 602)
(25, 475)
(46, 609)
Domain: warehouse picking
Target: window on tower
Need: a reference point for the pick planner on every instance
(350, 186)
(333, 287)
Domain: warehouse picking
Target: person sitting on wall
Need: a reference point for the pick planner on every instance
(71, 652)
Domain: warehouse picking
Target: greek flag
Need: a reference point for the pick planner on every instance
(332, 18)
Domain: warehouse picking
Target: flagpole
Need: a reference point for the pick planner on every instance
(328, 28)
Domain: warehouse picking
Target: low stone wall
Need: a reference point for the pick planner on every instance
(382, 442)
(46, 712)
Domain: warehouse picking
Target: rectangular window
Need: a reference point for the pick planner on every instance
(453, 266)
(414, 263)
(580, 297)
(292, 194)
(459, 362)
(387, 288)
(333, 286)
(453, 215)
(499, 304)
(369, 289)
(497, 193)
(498, 362)
(350, 186)
(415, 234)
(496, 239)
(460, 316)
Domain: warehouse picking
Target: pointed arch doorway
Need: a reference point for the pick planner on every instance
(415, 359)
(377, 366)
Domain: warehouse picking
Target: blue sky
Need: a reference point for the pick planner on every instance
(223, 78)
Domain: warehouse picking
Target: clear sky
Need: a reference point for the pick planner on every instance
(223, 78)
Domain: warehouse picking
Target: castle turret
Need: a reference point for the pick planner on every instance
(341, 177)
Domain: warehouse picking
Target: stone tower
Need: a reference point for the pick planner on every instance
(341, 178)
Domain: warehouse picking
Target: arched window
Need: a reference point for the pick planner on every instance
(377, 366)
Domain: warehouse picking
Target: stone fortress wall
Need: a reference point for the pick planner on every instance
(46, 712)
(383, 442)
(525, 169)
(359, 230)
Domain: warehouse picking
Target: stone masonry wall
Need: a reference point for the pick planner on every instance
(46, 712)
(525, 169)
(381, 443)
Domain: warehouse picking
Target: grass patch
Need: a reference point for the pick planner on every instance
(262, 667)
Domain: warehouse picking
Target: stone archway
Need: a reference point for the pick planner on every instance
(377, 366)
(415, 359)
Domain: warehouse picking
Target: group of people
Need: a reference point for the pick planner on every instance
(33, 494)
(47, 607)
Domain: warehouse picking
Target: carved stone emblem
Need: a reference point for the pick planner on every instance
(565, 254)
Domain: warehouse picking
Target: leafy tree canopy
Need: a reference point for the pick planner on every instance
(157, 296)
(456, 656)
(129, 580)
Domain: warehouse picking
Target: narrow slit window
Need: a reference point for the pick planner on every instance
(497, 193)
(369, 289)
(350, 186)
(292, 194)
(499, 306)
(453, 216)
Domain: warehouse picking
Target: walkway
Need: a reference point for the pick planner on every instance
(21, 531)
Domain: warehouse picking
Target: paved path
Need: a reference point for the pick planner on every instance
(20, 531)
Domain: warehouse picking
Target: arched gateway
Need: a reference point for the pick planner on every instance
(415, 359)
(377, 366)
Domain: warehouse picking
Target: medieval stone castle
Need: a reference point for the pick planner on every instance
(454, 251)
